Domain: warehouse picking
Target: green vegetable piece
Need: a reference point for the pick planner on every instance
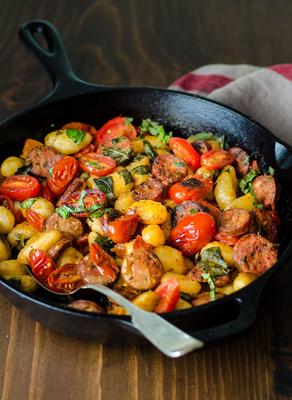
(105, 185)
(104, 242)
(121, 156)
(64, 211)
(271, 171)
(76, 135)
(155, 129)
(212, 285)
(27, 203)
(126, 176)
(212, 262)
(245, 183)
(141, 170)
(200, 136)
(149, 151)
(186, 296)
(128, 121)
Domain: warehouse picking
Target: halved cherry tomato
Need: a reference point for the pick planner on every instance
(190, 189)
(47, 193)
(227, 239)
(85, 202)
(64, 171)
(35, 219)
(20, 187)
(97, 164)
(82, 126)
(41, 264)
(121, 229)
(103, 262)
(216, 159)
(65, 278)
(193, 232)
(8, 203)
(183, 149)
(169, 293)
(88, 149)
(119, 126)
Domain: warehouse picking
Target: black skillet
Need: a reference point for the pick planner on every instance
(75, 100)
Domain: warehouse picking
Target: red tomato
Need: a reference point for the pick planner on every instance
(41, 264)
(193, 232)
(121, 229)
(64, 171)
(20, 187)
(85, 202)
(88, 149)
(46, 193)
(103, 262)
(81, 126)
(8, 203)
(35, 219)
(169, 293)
(65, 278)
(227, 239)
(190, 189)
(183, 149)
(119, 126)
(97, 164)
(216, 159)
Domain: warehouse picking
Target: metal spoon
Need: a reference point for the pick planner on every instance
(166, 337)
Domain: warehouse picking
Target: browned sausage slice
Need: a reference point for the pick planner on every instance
(241, 160)
(234, 221)
(86, 305)
(169, 169)
(42, 158)
(184, 209)
(89, 272)
(266, 190)
(197, 272)
(72, 225)
(253, 253)
(152, 189)
(210, 209)
(76, 185)
(267, 223)
(141, 269)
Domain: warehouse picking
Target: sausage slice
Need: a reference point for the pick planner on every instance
(42, 158)
(267, 224)
(197, 272)
(241, 160)
(152, 189)
(266, 190)
(72, 225)
(234, 221)
(253, 253)
(169, 169)
(184, 209)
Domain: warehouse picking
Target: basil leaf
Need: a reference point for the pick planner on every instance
(121, 156)
(271, 171)
(24, 170)
(149, 151)
(126, 176)
(141, 170)
(105, 185)
(64, 211)
(128, 121)
(186, 296)
(104, 242)
(200, 136)
(76, 135)
(27, 203)
(212, 262)
(245, 183)
(155, 129)
(212, 285)
(94, 164)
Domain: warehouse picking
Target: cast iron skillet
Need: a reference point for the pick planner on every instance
(75, 100)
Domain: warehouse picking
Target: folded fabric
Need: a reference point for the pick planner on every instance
(264, 94)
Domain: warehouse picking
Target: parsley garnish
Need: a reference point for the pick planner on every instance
(64, 211)
(245, 183)
(27, 203)
(155, 129)
(128, 121)
(106, 243)
(94, 164)
(200, 136)
(193, 211)
(212, 285)
(179, 164)
(76, 135)
(271, 171)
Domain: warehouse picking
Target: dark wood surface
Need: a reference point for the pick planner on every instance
(145, 42)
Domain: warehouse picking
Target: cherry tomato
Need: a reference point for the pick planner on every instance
(103, 262)
(41, 264)
(81, 126)
(8, 203)
(64, 171)
(20, 187)
(121, 229)
(216, 159)
(193, 232)
(35, 219)
(65, 278)
(169, 292)
(119, 126)
(88, 149)
(190, 189)
(97, 164)
(85, 202)
(46, 193)
(227, 239)
(183, 149)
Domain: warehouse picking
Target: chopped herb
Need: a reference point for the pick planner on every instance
(126, 176)
(128, 121)
(138, 157)
(105, 185)
(94, 164)
(121, 156)
(118, 139)
(193, 211)
(179, 164)
(149, 150)
(27, 203)
(271, 171)
(200, 136)
(100, 213)
(186, 296)
(51, 171)
(245, 183)
(155, 129)
(76, 135)
(84, 175)
(24, 170)
(141, 170)
(212, 286)
(20, 240)
(222, 142)
(81, 199)
(64, 211)
(106, 243)
(256, 204)
(212, 262)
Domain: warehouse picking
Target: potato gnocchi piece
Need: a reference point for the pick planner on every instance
(226, 251)
(186, 284)
(150, 212)
(225, 189)
(20, 233)
(171, 259)
(124, 201)
(7, 220)
(67, 143)
(147, 300)
(10, 165)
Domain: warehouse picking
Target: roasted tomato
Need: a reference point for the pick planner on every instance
(216, 159)
(169, 292)
(193, 232)
(183, 149)
(88, 149)
(47, 193)
(190, 189)
(64, 171)
(85, 202)
(41, 264)
(81, 126)
(121, 229)
(20, 187)
(97, 164)
(35, 219)
(103, 262)
(65, 279)
(227, 239)
(119, 126)
(8, 203)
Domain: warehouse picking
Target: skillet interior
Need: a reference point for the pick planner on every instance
(184, 115)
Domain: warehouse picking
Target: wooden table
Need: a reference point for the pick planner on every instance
(145, 42)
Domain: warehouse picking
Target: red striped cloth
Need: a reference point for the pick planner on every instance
(264, 94)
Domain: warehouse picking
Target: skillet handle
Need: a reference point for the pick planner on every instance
(54, 58)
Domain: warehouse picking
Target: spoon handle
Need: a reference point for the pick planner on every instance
(166, 337)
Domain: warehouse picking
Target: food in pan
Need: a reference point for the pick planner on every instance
(170, 223)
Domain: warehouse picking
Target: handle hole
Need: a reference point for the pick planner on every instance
(42, 40)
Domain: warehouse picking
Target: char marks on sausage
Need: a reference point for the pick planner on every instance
(169, 169)
(268, 227)
(152, 189)
(234, 221)
(266, 190)
(241, 160)
(72, 225)
(42, 158)
(89, 273)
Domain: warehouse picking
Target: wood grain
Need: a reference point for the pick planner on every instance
(145, 42)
